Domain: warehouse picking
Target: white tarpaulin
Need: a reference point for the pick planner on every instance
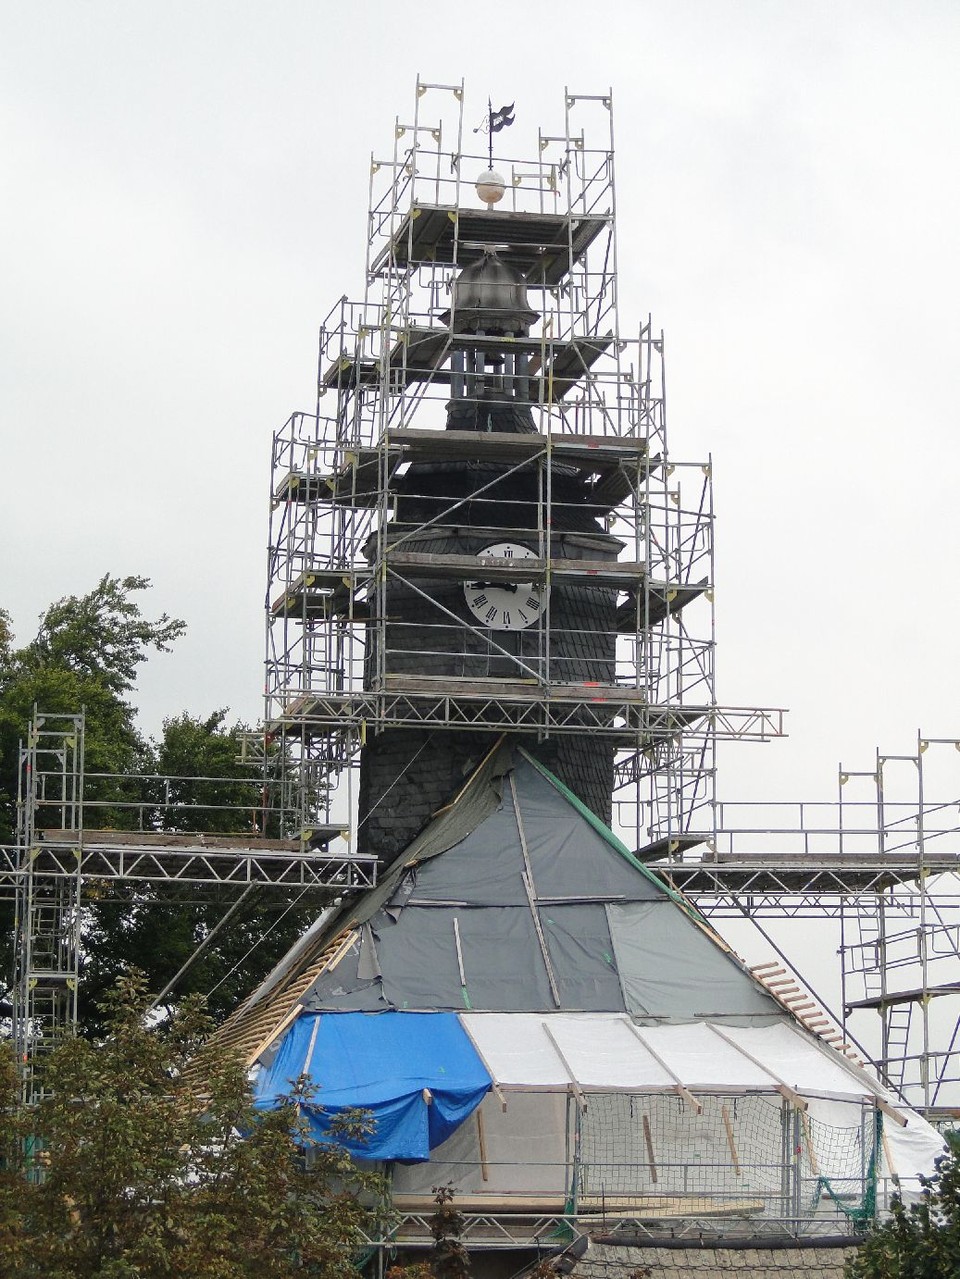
(604, 1051)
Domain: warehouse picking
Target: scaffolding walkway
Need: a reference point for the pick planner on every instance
(78, 831)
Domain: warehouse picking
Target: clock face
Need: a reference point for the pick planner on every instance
(505, 606)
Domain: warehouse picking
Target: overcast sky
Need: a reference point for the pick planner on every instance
(184, 196)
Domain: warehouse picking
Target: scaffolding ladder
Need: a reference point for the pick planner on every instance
(47, 918)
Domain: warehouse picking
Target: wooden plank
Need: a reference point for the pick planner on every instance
(781, 1087)
(728, 1126)
(455, 687)
(481, 1142)
(677, 1081)
(620, 574)
(275, 1033)
(529, 886)
(891, 1166)
(574, 1083)
(494, 1084)
(246, 1028)
(891, 1112)
(656, 1206)
(648, 1142)
(811, 1153)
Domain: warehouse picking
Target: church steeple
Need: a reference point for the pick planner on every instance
(481, 537)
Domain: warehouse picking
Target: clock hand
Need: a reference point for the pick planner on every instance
(512, 587)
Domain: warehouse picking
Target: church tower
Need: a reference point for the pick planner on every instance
(480, 531)
(474, 525)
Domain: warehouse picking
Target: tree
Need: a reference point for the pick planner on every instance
(921, 1241)
(120, 1172)
(199, 756)
(85, 654)
(197, 789)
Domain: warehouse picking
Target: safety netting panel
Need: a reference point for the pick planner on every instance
(838, 1163)
(743, 1155)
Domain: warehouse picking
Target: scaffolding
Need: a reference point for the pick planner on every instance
(339, 670)
(879, 869)
(900, 944)
(47, 916)
(80, 832)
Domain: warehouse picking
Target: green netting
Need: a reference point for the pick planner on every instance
(857, 1200)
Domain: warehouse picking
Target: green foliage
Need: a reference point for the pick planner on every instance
(921, 1241)
(450, 1259)
(121, 1173)
(158, 929)
(200, 755)
(103, 635)
(85, 654)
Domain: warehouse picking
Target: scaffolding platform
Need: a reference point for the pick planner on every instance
(781, 873)
(154, 858)
(894, 997)
(544, 246)
(655, 604)
(619, 463)
(671, 846)
(617, 713)
(337, 592)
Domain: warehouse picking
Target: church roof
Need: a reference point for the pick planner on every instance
(519, 944)
(514, 898)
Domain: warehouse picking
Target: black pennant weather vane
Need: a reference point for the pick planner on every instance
(493, 122)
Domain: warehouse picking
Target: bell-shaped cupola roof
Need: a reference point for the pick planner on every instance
(490, 296)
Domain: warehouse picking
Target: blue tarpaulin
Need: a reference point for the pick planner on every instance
(380, 1063)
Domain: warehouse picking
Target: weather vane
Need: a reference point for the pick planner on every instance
(493, 122)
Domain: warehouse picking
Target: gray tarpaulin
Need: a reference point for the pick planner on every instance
(345, 989)
(483, 869)
(578, 939)
(517, 899)
(669, 967)
(569, 857)
(502, 962)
